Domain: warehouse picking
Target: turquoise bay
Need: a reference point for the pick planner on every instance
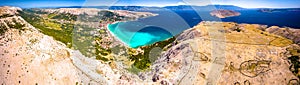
(168, 23)
(146, 31)
(136, 34)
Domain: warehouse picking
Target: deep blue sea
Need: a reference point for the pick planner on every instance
(169, 23)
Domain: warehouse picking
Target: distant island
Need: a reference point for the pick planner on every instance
(224, 13)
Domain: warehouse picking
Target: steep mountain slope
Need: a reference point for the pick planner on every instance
(30, 57)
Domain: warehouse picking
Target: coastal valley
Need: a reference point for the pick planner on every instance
(75, 46)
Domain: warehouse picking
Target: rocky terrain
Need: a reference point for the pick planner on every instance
(224, 13)
(30, 57)
(226, 53)
(209, 53)
(8, 11)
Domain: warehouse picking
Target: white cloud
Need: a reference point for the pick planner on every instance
(181, 3)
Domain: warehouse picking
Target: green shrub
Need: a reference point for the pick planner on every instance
(3, 29)
(6, 15)
(142, 59)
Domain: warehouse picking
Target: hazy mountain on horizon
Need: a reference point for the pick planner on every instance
(141, 8)
(179, 7)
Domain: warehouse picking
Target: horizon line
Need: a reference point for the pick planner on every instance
(147, 6)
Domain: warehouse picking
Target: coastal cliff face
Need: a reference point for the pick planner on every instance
(211, 52)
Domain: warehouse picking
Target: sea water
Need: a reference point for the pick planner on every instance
(139, 35)
(167, 24)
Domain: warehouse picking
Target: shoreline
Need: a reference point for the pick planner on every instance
(115, 36)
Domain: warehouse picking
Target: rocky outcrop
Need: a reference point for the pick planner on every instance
(6, 11)
(224, 13)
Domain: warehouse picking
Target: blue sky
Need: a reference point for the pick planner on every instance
(160, 3)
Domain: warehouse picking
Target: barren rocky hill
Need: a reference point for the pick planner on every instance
(226, 53)
(30, 57)
(209, 53)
